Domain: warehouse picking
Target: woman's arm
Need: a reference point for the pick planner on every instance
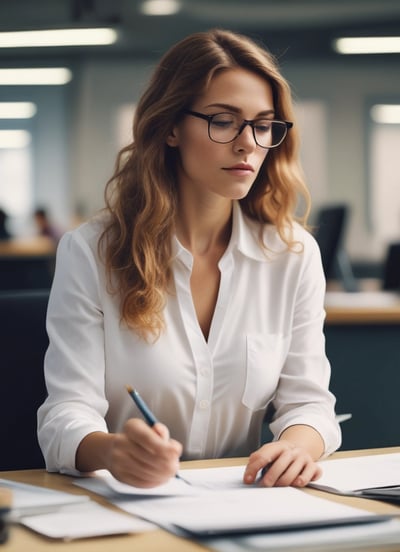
(304, 422)
(72, 429)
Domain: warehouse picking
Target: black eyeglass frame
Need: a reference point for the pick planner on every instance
(246, 122)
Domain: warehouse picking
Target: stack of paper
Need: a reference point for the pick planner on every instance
(84, 520)
(27, 499)
(217, 503)
(67, 516)
(374, 476)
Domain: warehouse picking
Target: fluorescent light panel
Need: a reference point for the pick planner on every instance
(58, 37)
(368, 45)
(160, 7)
(35, 76)
(17, 110)
(386, 114)
(10, 139)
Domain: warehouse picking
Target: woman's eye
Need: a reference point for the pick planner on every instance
(223, 120)
(263, 126)
(222, 123)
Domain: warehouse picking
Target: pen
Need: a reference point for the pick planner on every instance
(147, 414)
(142, 406)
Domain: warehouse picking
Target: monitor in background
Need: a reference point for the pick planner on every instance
(391, 268)
(330, 229)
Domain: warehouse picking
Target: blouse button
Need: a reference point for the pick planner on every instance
(204, 404)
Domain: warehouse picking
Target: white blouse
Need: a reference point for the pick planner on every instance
(265, 345)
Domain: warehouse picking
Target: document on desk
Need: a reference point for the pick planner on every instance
(375, 536)
(105, 484)
(373, 476)
(221, 504)
(84, 520)
(31, 499)
(243, 511)
(67, 516)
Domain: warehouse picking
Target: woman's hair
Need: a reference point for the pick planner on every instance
(141, 196)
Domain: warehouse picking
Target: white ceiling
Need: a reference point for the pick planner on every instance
(295, 28)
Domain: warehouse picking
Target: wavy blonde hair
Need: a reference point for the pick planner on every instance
(141, 196)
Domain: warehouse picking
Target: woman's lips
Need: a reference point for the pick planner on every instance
(240, 169)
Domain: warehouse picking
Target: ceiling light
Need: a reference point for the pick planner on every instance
(160, 7)
(58, 37)
(17, 110)
(386, 113)
(10, 139)
(368, 45)
(30, 76)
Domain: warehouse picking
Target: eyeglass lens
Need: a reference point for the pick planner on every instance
(225, 127)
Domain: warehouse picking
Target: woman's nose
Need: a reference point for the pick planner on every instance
(245, 139)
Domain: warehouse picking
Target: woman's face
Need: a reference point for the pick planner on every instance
(227, 170)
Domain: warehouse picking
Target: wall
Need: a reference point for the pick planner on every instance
(348, 87)
(99, 91)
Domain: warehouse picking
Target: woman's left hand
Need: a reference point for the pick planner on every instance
(283, 464)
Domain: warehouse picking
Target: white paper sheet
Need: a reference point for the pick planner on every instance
(352, 537)
(199, 481)
(27, 499)
(105, 484)
(84, 520)
(216, 478)
(236, 510)
(347, 475)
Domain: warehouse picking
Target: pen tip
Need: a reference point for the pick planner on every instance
(129, 388)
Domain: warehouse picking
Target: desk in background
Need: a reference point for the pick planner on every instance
(364, 307)
(363, 345)
(26, 263)
(22, 539)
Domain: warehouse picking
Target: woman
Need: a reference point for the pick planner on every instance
(196, 286)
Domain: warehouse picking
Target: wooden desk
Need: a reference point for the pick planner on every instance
(22, 540)
(374, 307)
(27, 247)
(362, 333)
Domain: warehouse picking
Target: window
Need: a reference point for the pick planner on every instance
(16, 186)
(384, 159)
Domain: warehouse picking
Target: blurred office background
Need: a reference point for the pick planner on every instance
(69, 140)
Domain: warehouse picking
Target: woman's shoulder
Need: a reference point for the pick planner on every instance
(86, 235)
(300, 237)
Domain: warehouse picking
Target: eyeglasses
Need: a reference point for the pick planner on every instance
(226, 127)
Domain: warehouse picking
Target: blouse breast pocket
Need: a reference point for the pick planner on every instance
(264, 360)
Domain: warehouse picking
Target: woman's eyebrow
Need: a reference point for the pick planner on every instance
(235, 109)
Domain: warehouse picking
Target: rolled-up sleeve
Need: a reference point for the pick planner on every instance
(74, 362)
(303, 395)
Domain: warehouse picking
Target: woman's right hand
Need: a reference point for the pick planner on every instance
(143, 456)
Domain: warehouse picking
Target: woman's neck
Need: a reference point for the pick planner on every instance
(202, 228)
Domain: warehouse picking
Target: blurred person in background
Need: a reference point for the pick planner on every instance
(4, 233)
(45, 226)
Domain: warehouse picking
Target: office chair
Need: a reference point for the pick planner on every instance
(19, 272)
(391, 268)
(23, 342)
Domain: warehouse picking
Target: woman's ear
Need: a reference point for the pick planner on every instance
(172, 138)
